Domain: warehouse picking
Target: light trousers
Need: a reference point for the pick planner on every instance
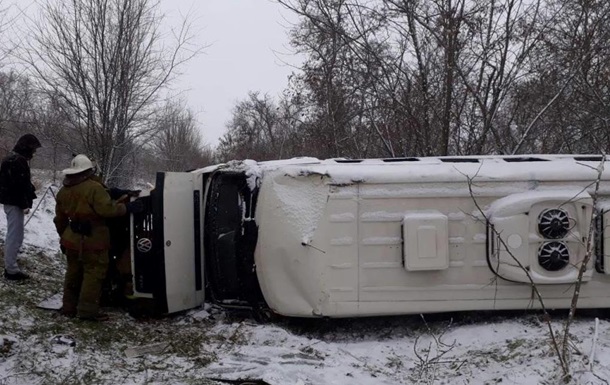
(14, 237)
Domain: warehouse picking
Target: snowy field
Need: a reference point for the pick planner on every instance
(204, 346)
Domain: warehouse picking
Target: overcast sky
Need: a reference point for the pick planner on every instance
(248, 43)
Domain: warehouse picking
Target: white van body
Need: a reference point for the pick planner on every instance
(351, 238)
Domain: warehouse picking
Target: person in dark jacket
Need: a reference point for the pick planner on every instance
(17, 194)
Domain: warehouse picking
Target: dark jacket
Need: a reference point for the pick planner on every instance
(16, 188)
(84, 201)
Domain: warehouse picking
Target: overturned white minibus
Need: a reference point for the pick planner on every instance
(346, 238)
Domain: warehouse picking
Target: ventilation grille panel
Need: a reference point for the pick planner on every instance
(553, 256)
(553, 223)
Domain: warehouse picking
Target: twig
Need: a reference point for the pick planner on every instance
(583, 267)
(562, 362)
(38, 205)
(427, 361)
(593, 344)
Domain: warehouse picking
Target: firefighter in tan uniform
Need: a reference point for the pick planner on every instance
(117, 287)
(81, 209)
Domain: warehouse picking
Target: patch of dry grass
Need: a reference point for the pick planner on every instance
(30, 356)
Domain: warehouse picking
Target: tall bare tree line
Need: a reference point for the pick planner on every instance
(397, 78)
(92, 78)
(380, 78)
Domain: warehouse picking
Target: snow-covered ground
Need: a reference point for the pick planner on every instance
(207, 344)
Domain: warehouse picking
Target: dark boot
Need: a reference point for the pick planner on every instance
(100, 317)
(18, 276)
(67, 311)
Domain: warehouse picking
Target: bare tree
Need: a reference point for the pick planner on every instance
(440, 77)
(8, 17)
(178, 145)
(15, 107)
(576, 50)
(338, 76)
(254, 130)
(14, 88)
(105, 61)
(52, 127)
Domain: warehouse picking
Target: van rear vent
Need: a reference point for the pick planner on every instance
(553, 256)
(348, 160)
(592, 158)
(459, 160)
(390, 160)
(553, 223)
(524, 159)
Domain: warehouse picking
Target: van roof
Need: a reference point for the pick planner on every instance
(500, 168)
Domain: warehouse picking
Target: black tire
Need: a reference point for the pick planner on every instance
(264, 315)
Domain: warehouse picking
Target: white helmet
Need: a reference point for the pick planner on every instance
(79, 164)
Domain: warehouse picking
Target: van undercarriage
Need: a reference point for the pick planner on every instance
(230, 240)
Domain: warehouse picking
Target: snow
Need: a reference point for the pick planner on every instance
(342, 218)
(302, 204)
(382, 241)
(39, 229)
(399, 351)
(41, 347)
(519, 203)
(433, 169)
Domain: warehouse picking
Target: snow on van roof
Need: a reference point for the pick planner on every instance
(521, 202)
(430, 169)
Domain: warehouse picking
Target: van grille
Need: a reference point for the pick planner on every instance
(143, 237)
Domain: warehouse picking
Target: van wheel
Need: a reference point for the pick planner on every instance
(263, 315)
(143, 308)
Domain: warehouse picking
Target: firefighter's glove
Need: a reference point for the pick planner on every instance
(120, 194)
(134, 207)
(116, 193)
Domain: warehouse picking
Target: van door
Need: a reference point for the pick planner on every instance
(167, 259)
